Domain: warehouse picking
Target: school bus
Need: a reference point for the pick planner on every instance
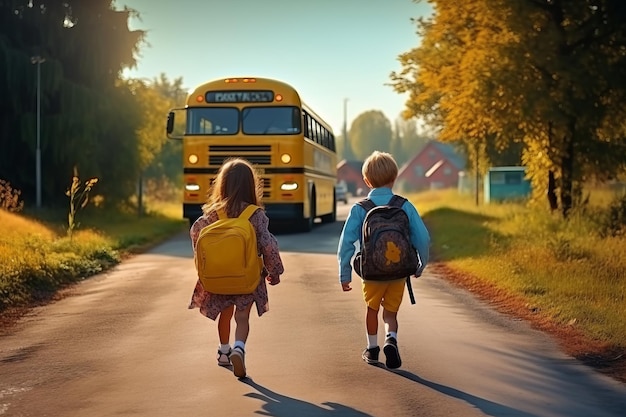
(264, 121)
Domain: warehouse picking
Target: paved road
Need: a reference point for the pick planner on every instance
(124, 344)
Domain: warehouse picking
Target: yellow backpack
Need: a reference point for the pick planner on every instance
(227, 258)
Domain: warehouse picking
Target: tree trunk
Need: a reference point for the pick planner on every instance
(567, 174)
(552, 198)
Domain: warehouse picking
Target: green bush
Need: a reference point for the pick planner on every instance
(615, 218)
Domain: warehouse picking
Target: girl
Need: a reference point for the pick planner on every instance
(237, 186)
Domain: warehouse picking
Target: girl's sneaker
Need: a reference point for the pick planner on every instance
(237, 358)
(223, 359)
(371, 355)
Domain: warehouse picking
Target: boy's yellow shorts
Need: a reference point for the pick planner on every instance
(387, 293)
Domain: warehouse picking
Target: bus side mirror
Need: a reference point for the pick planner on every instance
(170, 123)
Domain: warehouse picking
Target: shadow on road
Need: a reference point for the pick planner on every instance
(283, 406)
(322, 239)
(488, 407)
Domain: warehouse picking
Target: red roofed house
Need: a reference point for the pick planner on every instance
(350, 172)
(436, 165)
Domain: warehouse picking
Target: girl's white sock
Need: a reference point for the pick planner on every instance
(372, 341)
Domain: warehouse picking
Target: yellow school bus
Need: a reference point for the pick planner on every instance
(264, 121)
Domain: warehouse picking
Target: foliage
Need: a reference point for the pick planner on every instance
(150, 135)
(370, 131)
(10, 197)
(79, 197)
(37, 259)
(164, 165)
(88, 117)
(565, 270)
(407, 140)
(613, 220)
(547, 74)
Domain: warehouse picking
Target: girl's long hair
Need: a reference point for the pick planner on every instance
(236, 185)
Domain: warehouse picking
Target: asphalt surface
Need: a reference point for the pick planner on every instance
(124, 344)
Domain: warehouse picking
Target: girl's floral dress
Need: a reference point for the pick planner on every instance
(211, 305)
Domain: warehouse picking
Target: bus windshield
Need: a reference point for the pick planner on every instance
(271, 120)
(256, 120)
(212, 121)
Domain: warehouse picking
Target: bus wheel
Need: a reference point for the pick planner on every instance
(307, 224)
(332, 217)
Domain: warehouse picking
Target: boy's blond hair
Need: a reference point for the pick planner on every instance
(380, 169)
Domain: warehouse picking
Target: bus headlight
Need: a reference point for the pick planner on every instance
(289, 186)
(192, 187)
(285, 158)
(193, 158)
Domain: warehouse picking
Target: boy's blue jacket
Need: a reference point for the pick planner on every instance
(352, 229)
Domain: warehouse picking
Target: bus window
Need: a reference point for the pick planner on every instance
(271, 120)
(212, 121)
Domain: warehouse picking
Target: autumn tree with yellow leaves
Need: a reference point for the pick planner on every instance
(547, 74)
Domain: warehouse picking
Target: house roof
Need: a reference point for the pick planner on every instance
(355, 165)
(450, 153)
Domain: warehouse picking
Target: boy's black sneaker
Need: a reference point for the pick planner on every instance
(371, 355)
(392, 355)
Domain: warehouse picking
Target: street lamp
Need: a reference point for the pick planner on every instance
(38, 60)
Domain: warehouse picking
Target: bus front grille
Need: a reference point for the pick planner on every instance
(220, 153)
(237, 148)
(267, 187)
(254, 159)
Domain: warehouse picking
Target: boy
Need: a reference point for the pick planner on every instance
(379, 173)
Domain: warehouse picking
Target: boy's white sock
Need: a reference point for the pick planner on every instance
(225, 348)
(372, 341)
(239, 343)
(393, 334)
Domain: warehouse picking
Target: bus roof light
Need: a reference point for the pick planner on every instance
(199, 99)
(279, 97)
(249, 80)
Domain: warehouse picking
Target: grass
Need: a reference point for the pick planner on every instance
(563, 270)
(37, 257)
(566, 271)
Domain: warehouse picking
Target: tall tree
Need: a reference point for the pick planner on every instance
(370, 131)
(88, 118)
(165, 167)
(548, 73)
(410, 141)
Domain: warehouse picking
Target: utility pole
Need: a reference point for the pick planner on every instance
(348, 149)
(38, 60)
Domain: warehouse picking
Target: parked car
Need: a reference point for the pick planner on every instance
(341, 192)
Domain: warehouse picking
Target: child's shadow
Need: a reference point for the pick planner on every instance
(282, 406)
(490, 408)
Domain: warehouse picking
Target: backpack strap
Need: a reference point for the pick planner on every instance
(397, 201)
(248, 211)
(367, 204)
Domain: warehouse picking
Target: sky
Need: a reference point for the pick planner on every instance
(338, 54)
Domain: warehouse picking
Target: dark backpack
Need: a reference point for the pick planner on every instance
(387, 252)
